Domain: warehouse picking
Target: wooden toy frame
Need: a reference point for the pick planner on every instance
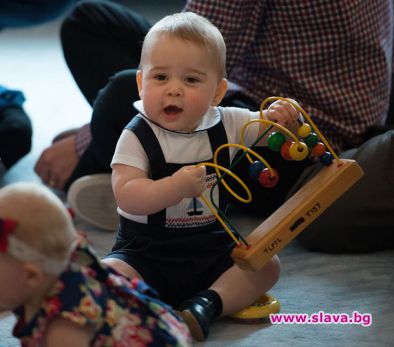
(297, 213)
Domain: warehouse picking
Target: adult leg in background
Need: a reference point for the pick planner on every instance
(362, 219)
(112, 111)
(99, 39)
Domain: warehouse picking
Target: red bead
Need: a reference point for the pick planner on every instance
(268, 181)
(319, 149)
(285, 150)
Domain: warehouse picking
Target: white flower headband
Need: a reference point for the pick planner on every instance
(18, 249)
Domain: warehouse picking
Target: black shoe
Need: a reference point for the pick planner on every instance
(198, 313)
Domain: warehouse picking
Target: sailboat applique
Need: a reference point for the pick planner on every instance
(194, 208)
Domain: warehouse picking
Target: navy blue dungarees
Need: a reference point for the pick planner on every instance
(176, 261)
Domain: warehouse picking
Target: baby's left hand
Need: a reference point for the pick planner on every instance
(283, 112)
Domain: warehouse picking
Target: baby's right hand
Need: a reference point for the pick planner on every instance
(189, 181)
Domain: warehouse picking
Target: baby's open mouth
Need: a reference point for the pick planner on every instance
(172, 109)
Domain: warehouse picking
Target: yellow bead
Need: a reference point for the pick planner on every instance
(304, 130)
(298, 151)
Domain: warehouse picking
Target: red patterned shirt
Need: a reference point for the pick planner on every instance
(333, 57)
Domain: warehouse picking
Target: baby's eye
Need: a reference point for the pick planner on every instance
(191, 80)
(160, 77)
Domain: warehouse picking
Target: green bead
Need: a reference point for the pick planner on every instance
(275, 141)
(312, 140)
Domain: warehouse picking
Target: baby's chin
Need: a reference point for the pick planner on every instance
(175, 126)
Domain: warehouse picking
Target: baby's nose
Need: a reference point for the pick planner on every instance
(175, 89)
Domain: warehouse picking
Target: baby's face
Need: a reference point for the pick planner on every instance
(178, 82)
(13, 290)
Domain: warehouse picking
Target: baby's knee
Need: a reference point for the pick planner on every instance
(271, 270)
(121, 267)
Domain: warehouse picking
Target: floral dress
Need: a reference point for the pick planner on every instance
(121, 312)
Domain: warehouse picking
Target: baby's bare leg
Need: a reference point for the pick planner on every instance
(122, 267)
(239, 288)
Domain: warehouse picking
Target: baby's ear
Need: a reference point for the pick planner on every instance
(139, 82)
(34, 274)
(220, 91)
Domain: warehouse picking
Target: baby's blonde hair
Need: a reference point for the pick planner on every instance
(42, 220)
(191, 27)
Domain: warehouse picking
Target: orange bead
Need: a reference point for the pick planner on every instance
(285, 150)
(319, 149)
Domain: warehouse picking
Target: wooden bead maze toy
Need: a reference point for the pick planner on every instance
(309, 202)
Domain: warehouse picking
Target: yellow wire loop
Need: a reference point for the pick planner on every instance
(219, 168)
(220, 219)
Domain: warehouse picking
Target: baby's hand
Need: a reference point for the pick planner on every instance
(189, 181)
(283, 112)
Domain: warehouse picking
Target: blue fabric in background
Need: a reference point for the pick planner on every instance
(10, 97)
(20, 13)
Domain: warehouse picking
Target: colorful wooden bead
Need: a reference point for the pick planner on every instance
(298, 151)
(304, 130)
(326, 159)
(275, 141)
(311, 140)
(285, 150)
(255, 168)
(267, 180)
(319, 149)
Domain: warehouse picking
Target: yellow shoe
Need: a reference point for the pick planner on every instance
(258, 311)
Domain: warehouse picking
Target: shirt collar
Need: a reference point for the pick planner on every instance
(210, 119)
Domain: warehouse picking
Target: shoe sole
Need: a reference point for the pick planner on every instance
(193, 325)
(92, 200)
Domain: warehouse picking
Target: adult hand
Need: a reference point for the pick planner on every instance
(57, 162)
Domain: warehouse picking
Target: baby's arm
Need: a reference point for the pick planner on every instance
(137, 194)
(63, 333)
(283, 113)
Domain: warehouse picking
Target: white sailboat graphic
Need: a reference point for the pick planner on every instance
(194, 207)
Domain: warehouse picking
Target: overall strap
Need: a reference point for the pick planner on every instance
(155, 155)
(151, 145)
(217, 137)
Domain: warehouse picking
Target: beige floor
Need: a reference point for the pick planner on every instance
(31, 60)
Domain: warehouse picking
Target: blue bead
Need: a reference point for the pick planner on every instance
(255, 169)
(326, 159)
